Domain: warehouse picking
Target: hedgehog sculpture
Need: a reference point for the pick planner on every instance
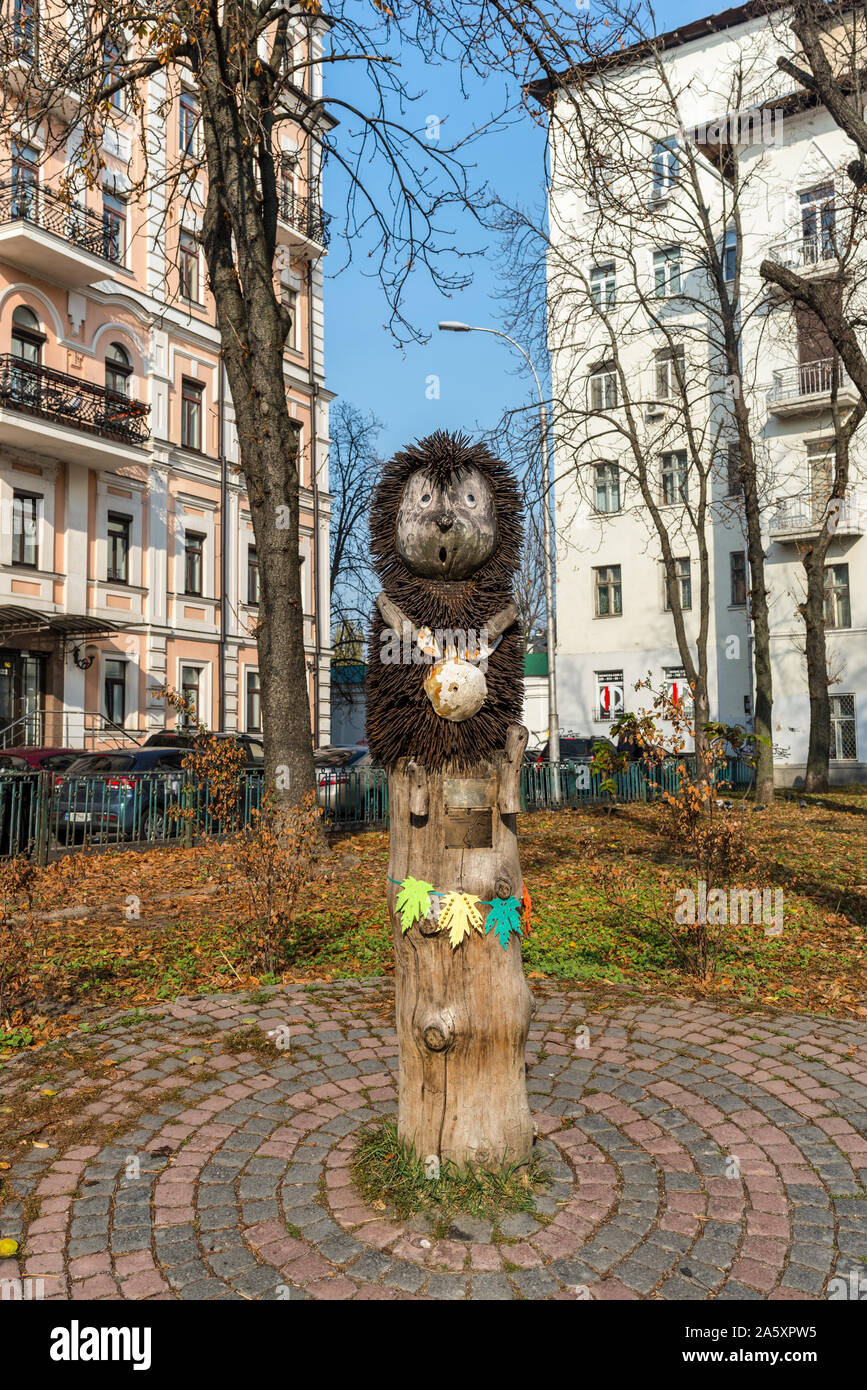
(446, 525)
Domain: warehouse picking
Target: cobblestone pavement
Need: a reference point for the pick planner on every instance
(694, 1154)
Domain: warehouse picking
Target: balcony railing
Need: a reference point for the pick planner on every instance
(805, 514)
(809, 379)
(305, 215)
(67, 400)
(31, 202)
(803, 252)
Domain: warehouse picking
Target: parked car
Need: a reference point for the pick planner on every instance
(184, 738)
(118, 795)
(338, 788)
(40, 759)
(574, 749)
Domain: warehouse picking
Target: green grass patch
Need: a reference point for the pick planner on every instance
(249, 1038)
(387, 1170)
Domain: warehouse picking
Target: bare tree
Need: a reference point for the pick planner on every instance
(823, 47)
(353, 468)
(687, 412)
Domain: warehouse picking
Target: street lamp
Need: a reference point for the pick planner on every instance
(453, 326)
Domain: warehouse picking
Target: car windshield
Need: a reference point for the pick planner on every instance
(334, 757)
(96, 764)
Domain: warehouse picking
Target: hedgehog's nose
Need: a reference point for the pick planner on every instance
(445, 522)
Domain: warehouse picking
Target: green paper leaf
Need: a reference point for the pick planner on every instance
(504, 918)
(413, 901)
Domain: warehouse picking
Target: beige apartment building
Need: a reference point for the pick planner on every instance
(127, 556)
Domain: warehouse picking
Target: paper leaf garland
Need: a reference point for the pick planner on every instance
(458, 914)
(504, 918)
(413, 901)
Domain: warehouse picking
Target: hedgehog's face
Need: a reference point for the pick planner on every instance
(447, 530)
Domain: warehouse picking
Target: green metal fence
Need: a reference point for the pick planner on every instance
(44, 814)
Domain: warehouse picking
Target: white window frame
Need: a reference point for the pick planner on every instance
(837, 720)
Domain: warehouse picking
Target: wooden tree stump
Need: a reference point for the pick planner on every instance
(462, 1015)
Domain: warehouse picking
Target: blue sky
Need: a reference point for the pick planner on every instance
(477, 374)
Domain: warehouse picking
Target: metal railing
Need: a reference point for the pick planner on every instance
(45, 814)
(60, 728)
(67, 400)
(23, 201)
(807, 512)
(804, 251)
(304, 215)
(809, 379)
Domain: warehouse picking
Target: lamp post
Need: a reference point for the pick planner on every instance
(451, 326)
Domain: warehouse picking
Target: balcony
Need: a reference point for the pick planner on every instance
(302, 223)
(806, 389)
(811, 256)
(36, 57)
(801, 517)
(53, 413)
(50, 237)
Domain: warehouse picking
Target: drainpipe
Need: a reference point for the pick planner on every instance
(224, 546)
(314, 463)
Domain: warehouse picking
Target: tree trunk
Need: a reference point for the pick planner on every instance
(813, 612)
(763, 723)
(462, 1015)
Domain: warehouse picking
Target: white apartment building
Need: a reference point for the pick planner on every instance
(644, 271)
(127, 556)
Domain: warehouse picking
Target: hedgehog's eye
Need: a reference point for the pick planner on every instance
(425, 499)
(471, 499)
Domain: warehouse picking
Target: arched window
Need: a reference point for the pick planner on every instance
(27, 335)
(118, 369)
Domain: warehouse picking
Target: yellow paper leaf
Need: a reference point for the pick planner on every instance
(458, 914)
(7, 1248)
(4, 1166)
(47, 1091)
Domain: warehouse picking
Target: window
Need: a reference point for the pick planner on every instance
(666, 271)
(113, 227)
(675, 480)
(25, 20)
(194, 563)
(603, 387)
(119, 530)
(607, 487)
(191, 413)
(188, 117)
(25, 529)
(252, 575)
(730, 255)
(683, 580)
(609, 694)
(118, 370)
(25, 182)
(115, 691)
(818, 221)
(289, 300)
(254, 702)
(738, 571)
(843, 739)
(27, 337)
(666, 165)
(821, 461)
(734, 482)
(669, 365)
(286, 190)
(678, 690)
(609, 594)
(188, 266)
(191, 679)
(603, 286)
(111, 71)
(838, 609)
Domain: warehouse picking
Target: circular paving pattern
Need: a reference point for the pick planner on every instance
(692, 1154)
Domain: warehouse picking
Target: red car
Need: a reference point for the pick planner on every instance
(37, 759)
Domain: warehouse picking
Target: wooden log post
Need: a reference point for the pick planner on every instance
(462, 1015)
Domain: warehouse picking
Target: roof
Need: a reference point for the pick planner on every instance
(672, 38)
(15, 619)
